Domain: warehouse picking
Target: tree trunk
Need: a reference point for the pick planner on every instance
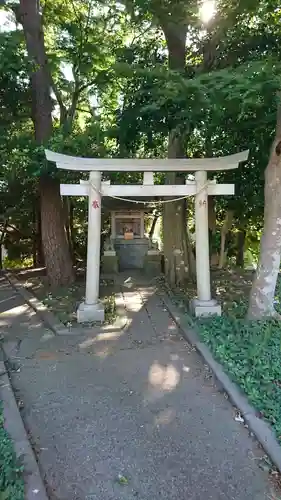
(263, 289)
(2, 238)
(174, 227)
(28, 14)
(40, 252)
(212, 219)
(65, 207)
(58, 262)
(187, 245)
(241, 237)
(174, 214)
(175, 35)
(56, 251)
(67, 220)
(153, 225)
(34, 235)
(71, 229)
(225, 228)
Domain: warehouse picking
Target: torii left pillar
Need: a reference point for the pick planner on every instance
(92, 309)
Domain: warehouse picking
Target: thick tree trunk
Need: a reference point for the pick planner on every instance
(241, 237)
(263, 289)
(175, 35)
(176, 254)
(37, 249)
(56, 251)
(28, 14)
(174, 227)
(40, 253)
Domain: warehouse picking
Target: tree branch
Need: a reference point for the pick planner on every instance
(63, 110)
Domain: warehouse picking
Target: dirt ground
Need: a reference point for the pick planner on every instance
(63, 301)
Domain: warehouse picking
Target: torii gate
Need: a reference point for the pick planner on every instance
(92, 309)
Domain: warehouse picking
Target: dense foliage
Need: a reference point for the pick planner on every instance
(113, 95)
(250, 353)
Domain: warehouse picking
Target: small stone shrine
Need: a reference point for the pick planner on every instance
(128, 247)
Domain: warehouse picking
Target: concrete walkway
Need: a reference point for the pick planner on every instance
(130, 414)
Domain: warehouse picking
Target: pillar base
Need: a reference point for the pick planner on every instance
(89, 313)
(205, 308)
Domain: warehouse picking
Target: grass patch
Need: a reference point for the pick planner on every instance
(11, 472)
(250, 351)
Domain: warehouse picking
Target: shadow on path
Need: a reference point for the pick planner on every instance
(136, 404)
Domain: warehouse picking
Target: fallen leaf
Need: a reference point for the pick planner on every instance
(122, 479)
(239, 418)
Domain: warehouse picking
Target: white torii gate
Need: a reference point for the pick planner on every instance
(92, 309)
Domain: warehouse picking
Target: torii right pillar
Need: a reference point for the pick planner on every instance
(203, 305)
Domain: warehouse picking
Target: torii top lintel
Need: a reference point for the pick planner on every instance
(67, 162)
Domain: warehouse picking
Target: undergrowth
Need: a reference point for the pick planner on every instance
(250, 351)
(11, 480)
(251, 354)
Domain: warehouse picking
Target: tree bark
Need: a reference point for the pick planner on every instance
(153, 225)
(241, 237)
(2, 238)
(68, 216)
(56, 251)
(225, 228)
(212, 218)
(261, 303)
(176, 254)
(187, 245)
(58, 264)
(40, 251)
(34, 235)
(212, 226)
(174, 227)
(175, 35)
(71, 229)
(28, 14)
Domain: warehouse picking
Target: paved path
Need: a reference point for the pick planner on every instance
(137, 403)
